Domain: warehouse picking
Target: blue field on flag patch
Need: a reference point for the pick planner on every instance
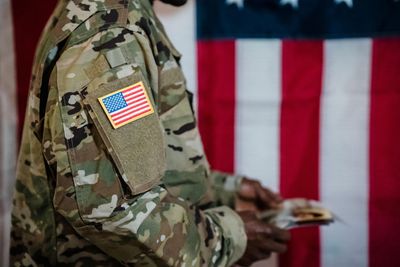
(114, 102)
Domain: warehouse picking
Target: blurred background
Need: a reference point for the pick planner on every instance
(301, 94)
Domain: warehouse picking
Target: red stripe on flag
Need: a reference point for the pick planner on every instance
(132, 89)
(302, 63)
(384, 210)
(132, 116)
(216, 105)
(133, 94)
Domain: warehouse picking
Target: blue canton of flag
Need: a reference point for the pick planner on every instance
(331, 19)
(115, 102)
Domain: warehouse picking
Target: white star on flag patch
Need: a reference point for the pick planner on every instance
(126, 105)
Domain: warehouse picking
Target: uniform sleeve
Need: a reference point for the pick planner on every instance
(105, 196)
(225, 187)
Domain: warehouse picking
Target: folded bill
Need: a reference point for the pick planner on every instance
(298, 212)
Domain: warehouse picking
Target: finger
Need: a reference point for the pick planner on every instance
(263, 253)
(274, 246)
(264, 245)
(245, 205)
(266, 232)
(269, 198)
(260, 251)
(264, 197)
(263, 194)
(280, 234)
(249, 217)
(262, 229)
(277, 197)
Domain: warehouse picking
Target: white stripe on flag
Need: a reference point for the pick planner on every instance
(8, 125)
(258, 80)
(344, 151)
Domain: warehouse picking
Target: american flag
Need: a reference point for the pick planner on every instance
(304, 95)
(126, 105)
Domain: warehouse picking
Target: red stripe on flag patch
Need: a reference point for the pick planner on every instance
(384, 210)
(216, 93)
(302, 63)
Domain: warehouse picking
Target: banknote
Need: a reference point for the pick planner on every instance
(298, 212)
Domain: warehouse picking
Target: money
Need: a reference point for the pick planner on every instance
(298, 212)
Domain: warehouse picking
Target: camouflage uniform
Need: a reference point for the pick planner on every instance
(139, 195)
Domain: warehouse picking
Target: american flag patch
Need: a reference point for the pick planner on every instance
(126, 105)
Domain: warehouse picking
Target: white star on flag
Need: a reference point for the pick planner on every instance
(238, 3)
(349, 3)
(293, 3)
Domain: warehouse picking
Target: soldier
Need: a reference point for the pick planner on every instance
(111, 170)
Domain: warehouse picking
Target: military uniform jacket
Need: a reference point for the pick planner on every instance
(111, 170)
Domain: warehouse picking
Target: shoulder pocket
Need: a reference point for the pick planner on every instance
(124, 114)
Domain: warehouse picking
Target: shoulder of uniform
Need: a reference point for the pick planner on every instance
(99, 22)
(82, 18)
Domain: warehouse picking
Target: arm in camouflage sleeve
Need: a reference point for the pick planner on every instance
(151, 227)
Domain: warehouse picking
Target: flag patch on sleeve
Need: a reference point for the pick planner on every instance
(126, 105)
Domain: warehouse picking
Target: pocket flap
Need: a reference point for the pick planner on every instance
(123, 113)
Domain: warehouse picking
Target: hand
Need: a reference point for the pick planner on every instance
(253, 196)
(262, 239)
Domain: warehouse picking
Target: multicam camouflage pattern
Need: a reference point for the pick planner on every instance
(73, 203)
